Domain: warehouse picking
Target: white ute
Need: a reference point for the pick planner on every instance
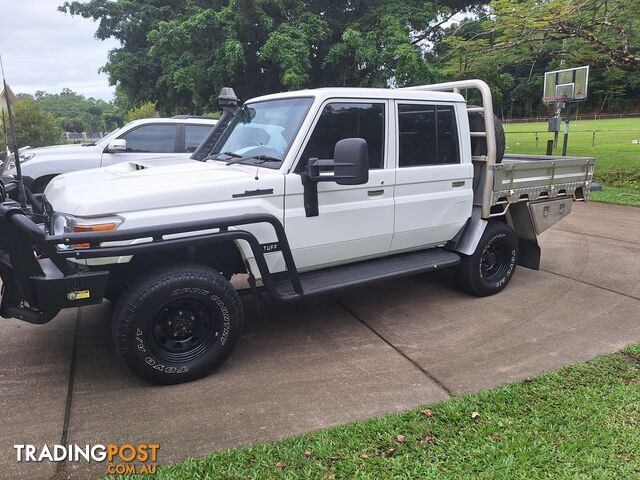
(304, 192)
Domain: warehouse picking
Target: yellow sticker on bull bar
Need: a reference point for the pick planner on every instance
(78, 295)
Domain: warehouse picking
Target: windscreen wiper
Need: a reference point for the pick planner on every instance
(216, 156)
(261, 158)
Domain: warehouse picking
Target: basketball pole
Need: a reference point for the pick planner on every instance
(566, 130)
(555, 134)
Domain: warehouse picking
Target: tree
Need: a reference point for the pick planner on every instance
(179, 54)
(75, 113)
(33, 126)
(513, 42)
(146, 110)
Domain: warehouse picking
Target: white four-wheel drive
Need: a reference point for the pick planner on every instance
(302, 192)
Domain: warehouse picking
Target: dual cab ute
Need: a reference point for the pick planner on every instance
(305, 192)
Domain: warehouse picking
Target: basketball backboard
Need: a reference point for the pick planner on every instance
(570, 83)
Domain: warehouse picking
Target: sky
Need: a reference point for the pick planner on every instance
(43, 49)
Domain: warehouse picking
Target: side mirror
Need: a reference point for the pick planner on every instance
(351, 161)
(117, 145)
(350, 166)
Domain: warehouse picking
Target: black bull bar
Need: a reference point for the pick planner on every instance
(38, 280)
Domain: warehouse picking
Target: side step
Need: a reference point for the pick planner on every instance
(334, 278)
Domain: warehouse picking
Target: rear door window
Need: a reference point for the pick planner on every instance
(193, 136)
(428, 135)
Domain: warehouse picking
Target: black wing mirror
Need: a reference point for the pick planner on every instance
(350, 166)
(351, 161)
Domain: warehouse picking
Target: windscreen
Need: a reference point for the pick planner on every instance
(264, 129)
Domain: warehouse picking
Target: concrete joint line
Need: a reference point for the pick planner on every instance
(429, 375)
(597, 236)
(62, 466)
(590, 284)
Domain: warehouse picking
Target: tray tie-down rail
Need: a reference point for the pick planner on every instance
(37, 286)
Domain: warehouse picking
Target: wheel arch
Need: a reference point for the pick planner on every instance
(39, 184)
(225, 257)
(518, 218)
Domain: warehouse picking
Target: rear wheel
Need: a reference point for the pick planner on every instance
(177, 324)
(492, 265)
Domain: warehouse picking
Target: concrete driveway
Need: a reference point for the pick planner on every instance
(331, 360)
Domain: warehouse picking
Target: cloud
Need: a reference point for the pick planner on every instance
(44, 49)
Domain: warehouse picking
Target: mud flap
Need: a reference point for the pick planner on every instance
(519, 217)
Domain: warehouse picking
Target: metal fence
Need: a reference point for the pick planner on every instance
(604, 134)
(595, 116)
(81, 137)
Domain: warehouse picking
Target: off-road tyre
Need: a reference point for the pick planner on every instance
(492, 265)
(177, 323)
(479, 144)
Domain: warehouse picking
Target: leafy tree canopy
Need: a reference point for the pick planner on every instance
(512, 43)
(33, 126)
(146, 110)
(75, 113)
(178, 54)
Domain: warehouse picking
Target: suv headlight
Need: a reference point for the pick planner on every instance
(62, 223)
(26, 156)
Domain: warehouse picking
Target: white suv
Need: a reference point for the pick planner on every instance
(175, 137)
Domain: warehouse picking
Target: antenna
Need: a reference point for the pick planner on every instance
(22, 197)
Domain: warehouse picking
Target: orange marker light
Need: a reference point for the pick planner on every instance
(94, 228)
(103, 227)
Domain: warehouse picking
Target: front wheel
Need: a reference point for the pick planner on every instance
(492, 265)
(177, 323)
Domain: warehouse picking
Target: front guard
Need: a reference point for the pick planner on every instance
(37, 282)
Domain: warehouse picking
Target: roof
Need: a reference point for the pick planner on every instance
(375, 93)
(186, 121)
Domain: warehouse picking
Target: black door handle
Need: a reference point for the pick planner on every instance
(375, 193)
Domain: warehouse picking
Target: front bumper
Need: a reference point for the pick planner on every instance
(37, 282)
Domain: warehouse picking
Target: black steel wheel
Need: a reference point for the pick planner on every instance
(495, 260)
(492, 265)
(183, 329)
(177, 323)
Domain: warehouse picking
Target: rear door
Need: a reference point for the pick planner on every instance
(434, 186)
(146, 141)
(355, 221)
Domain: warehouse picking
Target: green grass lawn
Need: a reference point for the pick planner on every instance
(617, 158)
(579, 422)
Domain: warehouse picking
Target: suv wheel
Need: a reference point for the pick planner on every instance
(177, 324)
(491, 266)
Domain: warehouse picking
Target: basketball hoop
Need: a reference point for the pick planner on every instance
(554, 100)
(562, 88)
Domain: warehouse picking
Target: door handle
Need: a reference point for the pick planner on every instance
(458, 183)
(375, 193)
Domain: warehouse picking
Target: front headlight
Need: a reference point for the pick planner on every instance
(62, 223)
(26, 156)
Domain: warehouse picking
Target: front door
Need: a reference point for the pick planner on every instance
(355, 221)
(434, 187)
